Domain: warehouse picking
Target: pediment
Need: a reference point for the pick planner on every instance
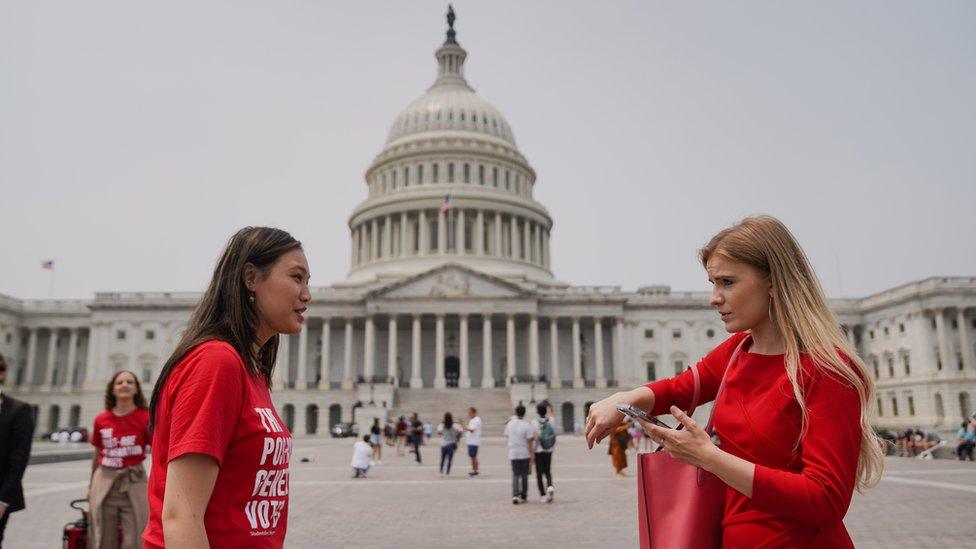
(449, 282)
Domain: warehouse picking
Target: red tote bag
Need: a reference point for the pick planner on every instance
(680, 506)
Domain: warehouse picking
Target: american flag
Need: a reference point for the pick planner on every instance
(445, 205)
(49, 264)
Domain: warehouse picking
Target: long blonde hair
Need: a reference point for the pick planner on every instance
(807, 325)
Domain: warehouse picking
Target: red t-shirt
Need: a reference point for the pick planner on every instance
(212, 406)
(799, 495)
(121, 440)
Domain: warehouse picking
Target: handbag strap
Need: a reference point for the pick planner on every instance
(710, 427)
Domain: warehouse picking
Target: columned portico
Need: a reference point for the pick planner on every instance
(416, 382)
(439, 381)
(555, 381)
(601, 378)
(487, 378)
(578, 381)
(509, 349)
(465, 380)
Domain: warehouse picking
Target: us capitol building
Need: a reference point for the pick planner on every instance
(451, 301)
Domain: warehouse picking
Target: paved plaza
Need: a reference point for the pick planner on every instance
(919, 504)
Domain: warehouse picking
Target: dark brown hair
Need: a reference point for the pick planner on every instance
(139, 399)
(225, 313)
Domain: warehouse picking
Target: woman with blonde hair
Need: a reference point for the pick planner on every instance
(792, 430)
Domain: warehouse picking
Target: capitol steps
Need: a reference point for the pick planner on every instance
(493, 405)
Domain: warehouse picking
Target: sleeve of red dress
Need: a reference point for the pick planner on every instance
(821, 493)
(679, 390)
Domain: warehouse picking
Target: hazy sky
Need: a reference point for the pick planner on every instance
(135, 138)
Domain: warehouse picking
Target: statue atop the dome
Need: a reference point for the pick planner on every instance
(450, 26)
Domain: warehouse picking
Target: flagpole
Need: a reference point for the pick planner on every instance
(51, 289)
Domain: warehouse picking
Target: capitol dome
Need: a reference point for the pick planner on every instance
(450, 186)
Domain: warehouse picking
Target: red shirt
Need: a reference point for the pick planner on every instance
(799, 497)
(121, 440)
(212, 406)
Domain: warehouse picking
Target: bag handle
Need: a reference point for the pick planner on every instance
(709, 428)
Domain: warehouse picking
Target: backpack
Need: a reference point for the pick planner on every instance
(547, 435)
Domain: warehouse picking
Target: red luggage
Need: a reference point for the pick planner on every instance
(76, 533)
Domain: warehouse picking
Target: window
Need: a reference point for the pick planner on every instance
(450, 115)
(974, 323)
(938, 359)
(507, 174)
(871, 334)
(650, 371)
(10, 338)
(710, 333)
(150, 335)
(880, 410)
(955, 324)
(481, 174)
(885, 330)
(494, 176)
(120, 334)
(679, 366)
(901, 328)
(433, 234)
(934, 325)
(891, 366)
(959, 361)
(435, 176)
(874, 365)
(462, 116)
(676, 333)
(438, 116)
(420, 174)
(393, 178)
(649, 334)
(911, 406)
(450, 172)
(406, 176)
(894, 406)
(467, 173)
(908, 366)
(147, 372)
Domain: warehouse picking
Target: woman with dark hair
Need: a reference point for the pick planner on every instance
(117, 489)
(450, 432)
(221, 452)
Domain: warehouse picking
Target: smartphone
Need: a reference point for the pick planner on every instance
(641, 414)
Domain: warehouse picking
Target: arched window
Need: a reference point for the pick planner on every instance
(74, 416)
(289, 412)
(481, 174)
(335, 412)
(311, 419)
(569, 417)
(467, 173)
(54, 419)
(964, 405)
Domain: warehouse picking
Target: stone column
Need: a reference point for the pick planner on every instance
(279, 378)
(347, 381)
(326, 360)
(964, 346)
(441, 233)
(459, 233)
(404, 235)
(416, 381)
(374, 239)
(388, 236)
(363, 258)
(850, 337)
(499, 250)
(91, 359)
(464, 381)
(513, 235)
(601, 377)
(31, 357)
(577, 364)
(534, 346)
(545, 245)
(301, 377)
(487, 377)
(940, 330)
(554, 380)
(526, 240)
(369, 357)
(424, 240)
(479, 233)
(510, 348)
(52, 351)
(72, 366)
(391, 354)
(538, 244)
(617, 369)
(439, 381)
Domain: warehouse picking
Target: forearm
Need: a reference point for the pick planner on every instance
(640, 397)
(187, 531)
(734, 471)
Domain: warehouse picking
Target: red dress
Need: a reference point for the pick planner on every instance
(799, 494)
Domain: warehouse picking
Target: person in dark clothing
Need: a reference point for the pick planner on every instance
(545, 441)
(16, 430)
(416, 435)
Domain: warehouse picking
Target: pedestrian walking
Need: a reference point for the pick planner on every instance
(545, 445)
(416, 436)
(450, 432)
(619, 443)
(374, 440)
(401, 436)
(117, 486)
(521, 452)
(473, 428)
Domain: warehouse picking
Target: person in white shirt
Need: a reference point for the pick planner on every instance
(545, 443)
(521, 452)
(474, 439)
(450, 432)
(362, 451)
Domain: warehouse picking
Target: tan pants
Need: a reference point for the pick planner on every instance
(117, 509)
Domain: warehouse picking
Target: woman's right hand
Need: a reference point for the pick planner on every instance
(604, 415)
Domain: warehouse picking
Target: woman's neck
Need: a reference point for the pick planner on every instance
(123, 406)
(766, 339)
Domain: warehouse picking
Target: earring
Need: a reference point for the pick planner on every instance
(251, 298)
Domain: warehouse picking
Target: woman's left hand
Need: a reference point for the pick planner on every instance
(691, 445)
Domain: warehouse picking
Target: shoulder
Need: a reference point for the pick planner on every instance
(219, 358)
(723, 351)
(106, 415)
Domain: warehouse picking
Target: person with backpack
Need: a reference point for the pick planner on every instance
(545, 437)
